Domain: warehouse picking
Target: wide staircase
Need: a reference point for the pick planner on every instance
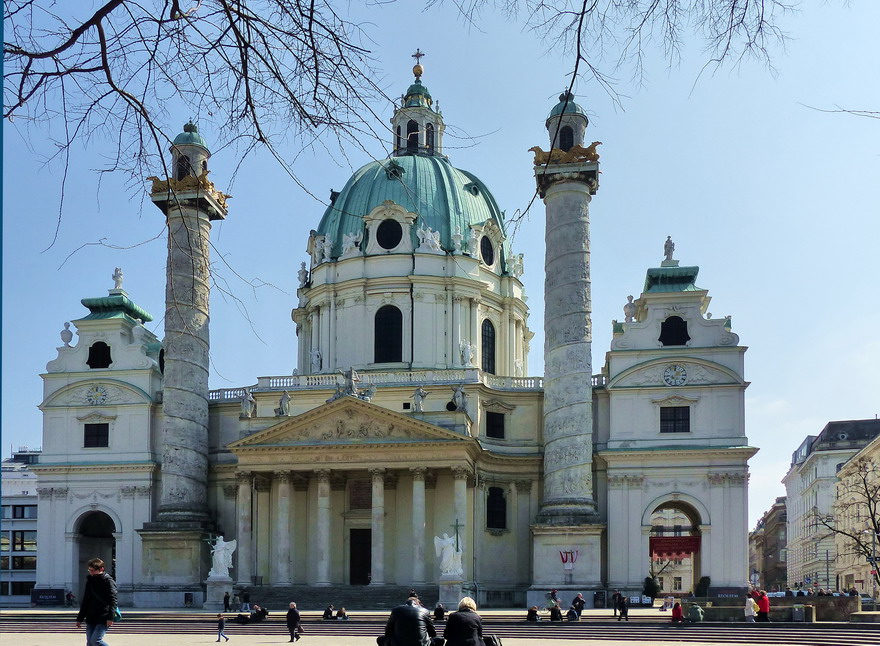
(350, 597)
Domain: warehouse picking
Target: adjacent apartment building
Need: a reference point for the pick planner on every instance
(768, 549)
(18, 528)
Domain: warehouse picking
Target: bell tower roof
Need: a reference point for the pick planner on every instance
(190, 136)
(567, 106)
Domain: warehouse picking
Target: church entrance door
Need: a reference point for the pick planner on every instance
(359, 556)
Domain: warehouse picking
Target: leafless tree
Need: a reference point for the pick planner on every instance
(856, 518)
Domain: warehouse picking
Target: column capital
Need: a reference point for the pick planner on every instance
(460, 473)
(283, 477)
(377, 473)
(523, 486)
(229, 490)
(262, 484)
(244, 477)
(418, 473)
(322, 475)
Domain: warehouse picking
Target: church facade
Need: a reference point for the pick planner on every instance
(412, 413)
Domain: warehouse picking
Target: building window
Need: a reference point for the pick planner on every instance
(388, 346)
(661, 583)
(4, 562)
(488, 350)
(566, 138)
(674, 331)
(4, 541)
(4, 511)
(96, 435)
(676, 584)
(495, 425)
(496, 509)
(24, 562)
(676, 530)
(399, 143)
(675, 419)
(24, 511)
(412, 137)
(24, 541)
(21, 587)
(99, 356)
(429, 138)
(184, 167)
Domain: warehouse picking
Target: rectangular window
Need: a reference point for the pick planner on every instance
(495, 425)
(96, 435)
(24, 562)
(4, 541)
(676, 584)
(4, 562)
(675, 419)
(496, 509)
(676, 530)
(24, 511)
(661, 583)
(4, 511)
(25, 541)
(22, 587)
(360, 494)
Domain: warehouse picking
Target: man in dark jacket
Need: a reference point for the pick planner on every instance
(410, 625)
(293, 620)
(98, 604)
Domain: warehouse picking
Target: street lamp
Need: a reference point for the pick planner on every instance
(873, 562)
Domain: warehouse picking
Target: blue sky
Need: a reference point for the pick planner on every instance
(774, 200)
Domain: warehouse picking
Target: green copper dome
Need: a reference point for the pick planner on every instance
(567, 105)
(190, 136)
(442, 196)
(417, 95)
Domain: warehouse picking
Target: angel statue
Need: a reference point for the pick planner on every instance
(450, 558)
(221, 556)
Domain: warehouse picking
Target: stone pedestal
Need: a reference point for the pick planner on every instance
(217, 587)
(549, 570)
(175, 563)
(450, 591)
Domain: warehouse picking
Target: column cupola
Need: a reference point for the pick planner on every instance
(567, 123)
(189, 153)
(417, 125)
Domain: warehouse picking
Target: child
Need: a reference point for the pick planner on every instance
(221, 625)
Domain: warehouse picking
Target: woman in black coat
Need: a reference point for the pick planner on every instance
(464, 628)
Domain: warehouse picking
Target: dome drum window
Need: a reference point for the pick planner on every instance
(388, 230)
(487, 251)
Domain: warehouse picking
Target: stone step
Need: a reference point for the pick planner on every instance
(364, 597)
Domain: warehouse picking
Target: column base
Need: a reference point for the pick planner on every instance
(174, 556)
(584, 542)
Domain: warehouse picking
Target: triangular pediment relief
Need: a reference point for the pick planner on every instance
(348, 421)
(655, 374)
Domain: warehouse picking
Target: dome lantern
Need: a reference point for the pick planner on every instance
(417, 126)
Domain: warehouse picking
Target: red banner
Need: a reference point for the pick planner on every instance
(673, 547)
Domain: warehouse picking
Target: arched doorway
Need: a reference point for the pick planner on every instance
(95, 539)
(674, 548)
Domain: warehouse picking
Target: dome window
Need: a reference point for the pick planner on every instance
(388, 339)
(487, 251)
(389, 234)
(399, 142)
(393, 170)
(184, 167)
(429, 138)
(412, 137)
(472, 188)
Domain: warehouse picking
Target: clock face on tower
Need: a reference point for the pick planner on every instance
(675, 375)
(96, 394)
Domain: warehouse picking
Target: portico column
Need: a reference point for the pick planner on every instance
(243, 503)
(281, 530)
(418, 523)
(377, 528)
(322, 533)
(459, 500)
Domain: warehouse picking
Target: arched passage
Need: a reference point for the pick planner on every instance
(94, 531)
(674, 547)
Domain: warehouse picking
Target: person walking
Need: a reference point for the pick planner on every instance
(464, 628)
(221, 626)
(763, 602)
(615, 602)
(226, 606)
(98, 603)
(623, 608)
(293, 622)
(410, 625)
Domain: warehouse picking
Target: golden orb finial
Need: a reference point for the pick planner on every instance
(418, 70)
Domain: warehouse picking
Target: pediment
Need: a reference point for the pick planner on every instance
(650, 374)
(348, 421)
(94, 392)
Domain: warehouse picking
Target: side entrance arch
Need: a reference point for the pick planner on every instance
(94, 538)
(674, 547)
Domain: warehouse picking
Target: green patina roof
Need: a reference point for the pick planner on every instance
(417, 95)
(671, 279)
(567, 107)
(191, 136)
(444, 197)
(114, 306)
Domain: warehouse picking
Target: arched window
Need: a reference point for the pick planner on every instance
(566, 138)
(388, 340)
(488, 353)
(429, 137)
(674, 331)
(496, 509)
(99, 356)
(412, 137)
(398, 144)
(183, 167)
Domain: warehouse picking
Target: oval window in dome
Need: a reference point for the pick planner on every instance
(487, 251)
(389, 234)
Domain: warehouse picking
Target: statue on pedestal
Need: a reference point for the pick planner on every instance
(449, 555)
(221, 556)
